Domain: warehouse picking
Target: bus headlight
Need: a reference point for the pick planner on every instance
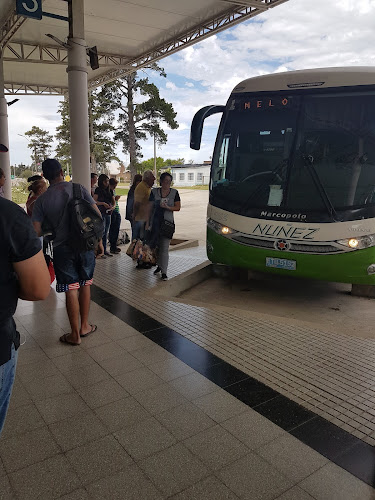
(359, 242)
(219, 228)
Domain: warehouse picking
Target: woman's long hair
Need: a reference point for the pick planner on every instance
(101, 179)
(136, 180)
(36, 185)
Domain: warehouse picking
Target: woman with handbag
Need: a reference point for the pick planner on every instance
(166, 200)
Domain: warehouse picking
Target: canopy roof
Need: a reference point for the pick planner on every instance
(128, 34)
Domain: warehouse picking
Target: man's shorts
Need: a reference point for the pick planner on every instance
(72, 269)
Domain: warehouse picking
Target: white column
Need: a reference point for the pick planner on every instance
(4, 137)
(78, 99)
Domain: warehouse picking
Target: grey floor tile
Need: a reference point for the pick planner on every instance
(2, 469)
(61, 407)
(185, 420)
(87, 375)
(136, 342)
(27, 449)
(252, 478)
(216, 447)
(151, 354)
(95, 339)
(122, 413)
(38, 370)
(54, 348)
(291, 457)
(220, 405)
(20, 396)
(79, 494)
(27, 418)
(98, 459)
(209, 488)
(160, 398)
(48, 387)
(102, 393)
(77, 431)
(194, 385)
(333, 483)
(295, 493)
(145, 438)
(174, 469)
(45, 480)
(253, 429)
(139, 380)
(106, 351)
(6, 491)
(73, 360)
(28, 356)
(122, 364)
(129, 484)
(170, 369)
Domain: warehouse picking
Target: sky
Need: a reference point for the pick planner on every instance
(298, 34)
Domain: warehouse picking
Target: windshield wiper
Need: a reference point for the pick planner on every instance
(309, 163)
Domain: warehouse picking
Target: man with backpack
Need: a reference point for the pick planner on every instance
(65, 208)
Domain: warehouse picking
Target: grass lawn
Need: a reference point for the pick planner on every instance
(20, 193)
(122, 191)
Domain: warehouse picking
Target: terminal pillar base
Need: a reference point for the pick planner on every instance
(364, 291)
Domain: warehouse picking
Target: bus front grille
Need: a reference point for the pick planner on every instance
(294, 247)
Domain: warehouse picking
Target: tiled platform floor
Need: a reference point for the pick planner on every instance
(120, 417)
(331, 374)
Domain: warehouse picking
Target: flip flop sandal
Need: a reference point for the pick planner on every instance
(64, 340)
(93, 329)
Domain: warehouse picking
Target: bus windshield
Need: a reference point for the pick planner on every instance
(297, 152)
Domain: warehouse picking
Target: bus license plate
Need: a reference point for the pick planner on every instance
(289, 265)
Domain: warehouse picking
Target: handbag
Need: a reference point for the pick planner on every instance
(167, 229)
(130, 248)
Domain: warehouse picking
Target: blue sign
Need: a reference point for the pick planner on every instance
(29, 8)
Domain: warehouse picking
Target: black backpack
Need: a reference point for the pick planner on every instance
(86, 224)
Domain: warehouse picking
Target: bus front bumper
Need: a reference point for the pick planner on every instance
(348, 267)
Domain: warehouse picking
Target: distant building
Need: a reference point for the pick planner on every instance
(191, 174)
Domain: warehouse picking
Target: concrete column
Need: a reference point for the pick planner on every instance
(78, 99)
(4, 137)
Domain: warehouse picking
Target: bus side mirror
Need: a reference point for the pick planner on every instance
(197, 124)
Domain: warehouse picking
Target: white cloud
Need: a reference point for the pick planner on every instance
(295, 35)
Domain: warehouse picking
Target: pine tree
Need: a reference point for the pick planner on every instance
(138, 120)
(40, 145)
(102, 145)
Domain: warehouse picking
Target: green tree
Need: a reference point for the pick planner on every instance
(169, 162)
(101, 130)
(137, 120)
(161, 164)
(26, 173)
(40, 145)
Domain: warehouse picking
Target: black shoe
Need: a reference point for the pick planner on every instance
(115, 250)
(108, 254)
(157, 270)
(164, 277)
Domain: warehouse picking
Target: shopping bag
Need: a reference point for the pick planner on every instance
(130, 249)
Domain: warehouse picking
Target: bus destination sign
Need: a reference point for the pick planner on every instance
(265, 103)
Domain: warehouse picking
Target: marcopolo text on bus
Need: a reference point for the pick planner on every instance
(264, 213)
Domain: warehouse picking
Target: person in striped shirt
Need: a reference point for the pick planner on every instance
(115, 219)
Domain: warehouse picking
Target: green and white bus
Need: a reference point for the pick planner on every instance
(292, 188)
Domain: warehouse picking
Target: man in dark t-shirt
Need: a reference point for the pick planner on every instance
(24, 275)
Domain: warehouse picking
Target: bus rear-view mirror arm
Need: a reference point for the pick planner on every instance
(197, 124)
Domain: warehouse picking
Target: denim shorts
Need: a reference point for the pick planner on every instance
(7, 374)
(73, 269)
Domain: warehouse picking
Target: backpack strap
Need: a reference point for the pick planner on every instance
(77, 194)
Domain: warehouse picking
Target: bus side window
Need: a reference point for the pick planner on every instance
(221, 171)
